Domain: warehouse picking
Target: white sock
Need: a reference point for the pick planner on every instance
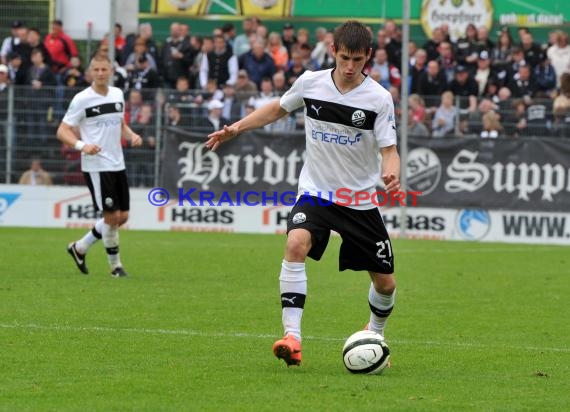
(110, 235)
(90, 238)
(293, 287)
(380, 308)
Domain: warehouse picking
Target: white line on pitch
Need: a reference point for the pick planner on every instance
(190, 332)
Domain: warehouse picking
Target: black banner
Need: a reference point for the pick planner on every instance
(513, 174)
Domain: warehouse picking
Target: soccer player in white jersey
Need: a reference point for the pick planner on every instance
(94, 125)
(349, 118)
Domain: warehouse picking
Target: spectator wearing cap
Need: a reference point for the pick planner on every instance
(288, 37)
(483, 74)
(464, 87)
(9, 43)
(257, 62)
(245, 88)
(559, 54)
(176, 56)
(144, 78)
(60, 46)
(214, 120)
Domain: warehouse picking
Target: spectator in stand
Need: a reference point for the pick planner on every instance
(380, 43)
(280, 83)
(176, 118)
(73, 75)
(61, 48)
(447, 61)
(475, 119)
(140, 49)
(328, 60)
(561, 107)
(233, 108)
(9, 43)
(120, 43)
(277, 51)
(466, 48)
(531, 50)
(140, 159)
(34, 41)
(144, 78)
(257, 62)
(220, 64)
(446, 117)
(545, 76)
(417, 68)
(523, 85)
(229, 33)
(245, 88)
(432, 45)
(133, 106)
(502, 56)
(389, 74)
(320, 50)
(214, 120)
(518, 118)
(262, 32)
(415, 128)
(492, 127)
(491, 91)
(36, 175)
(464, 87)
(483, 74)
(241, 42)
(17, 73)
(182, 93)
(23, 48)
(539, 115)
(144, 33)
(176, 56)
(4, 83)
(196, 43)
(39, 97)
(559, 54)
(418, 107)
(432, 83)
(265, 95)
(393, 43)
(308, 62)
(296, 68)
(288, 37)
(483, 41)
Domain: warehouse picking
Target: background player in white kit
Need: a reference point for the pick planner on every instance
(349, 118)
(94, 125)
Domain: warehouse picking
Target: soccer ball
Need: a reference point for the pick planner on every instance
(365, 352)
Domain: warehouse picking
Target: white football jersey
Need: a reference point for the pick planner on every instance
(344, 134)
(100, 122)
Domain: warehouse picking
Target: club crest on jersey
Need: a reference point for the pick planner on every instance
(299, 218)
(119, 107)
(109, 202)
(358, 118)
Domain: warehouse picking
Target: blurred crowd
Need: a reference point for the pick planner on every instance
(503, 84)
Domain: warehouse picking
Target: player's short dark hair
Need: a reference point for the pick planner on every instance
(352, 36)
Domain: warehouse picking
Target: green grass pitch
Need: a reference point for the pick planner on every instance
(476, 327)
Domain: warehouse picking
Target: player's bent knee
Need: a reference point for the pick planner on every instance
(298, 245)
(384, 284)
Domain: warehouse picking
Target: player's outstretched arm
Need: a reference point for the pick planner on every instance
(390, 168)
(267, 114)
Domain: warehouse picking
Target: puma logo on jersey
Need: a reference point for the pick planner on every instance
(386, 262)
(315, 109)
(97, 110)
